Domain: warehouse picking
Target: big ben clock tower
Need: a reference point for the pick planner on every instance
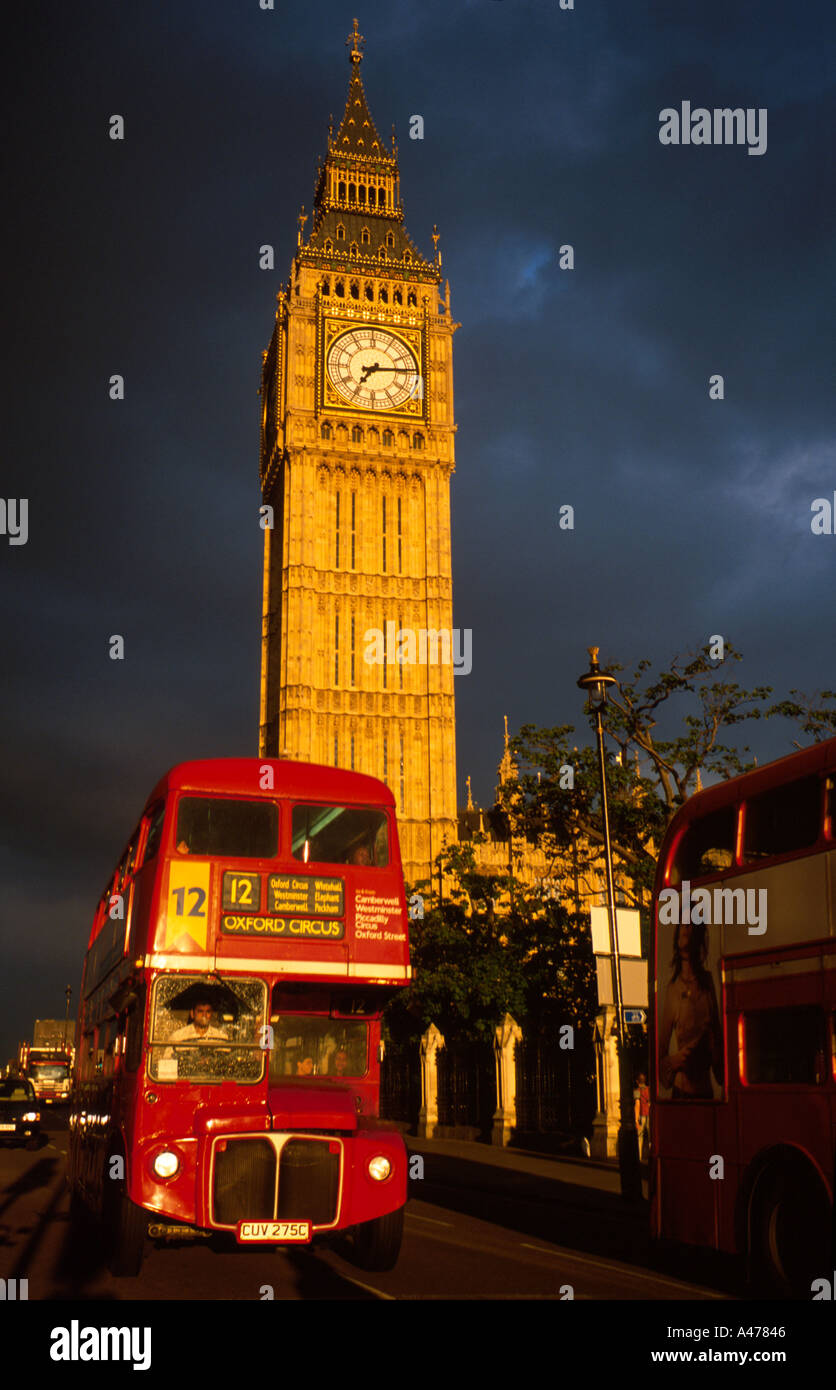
(357, 451)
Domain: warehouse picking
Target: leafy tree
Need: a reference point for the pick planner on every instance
(465, 978)
(651, 775)
(816, 721)
(473, 962)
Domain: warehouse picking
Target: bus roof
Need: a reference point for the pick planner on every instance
(241, 776)
(807, 762)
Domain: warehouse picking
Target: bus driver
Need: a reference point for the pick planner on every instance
(199, 1028)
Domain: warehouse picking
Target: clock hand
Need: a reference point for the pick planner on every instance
(387, 367)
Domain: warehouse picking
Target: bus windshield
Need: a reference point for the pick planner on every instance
(207, 1030)
(222, 827)
(340, 835)
(304, 1045)
(50, 1071)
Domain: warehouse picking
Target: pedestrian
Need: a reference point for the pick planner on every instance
(641, 1104)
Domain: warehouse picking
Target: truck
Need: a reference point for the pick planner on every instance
(48, 1060)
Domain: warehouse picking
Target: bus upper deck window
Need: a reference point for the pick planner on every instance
(340, 835)
(231, 829)
(155, 833)
(706, 847)
(783, 819)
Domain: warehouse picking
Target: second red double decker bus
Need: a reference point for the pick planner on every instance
(229, 1040)
(743, 978)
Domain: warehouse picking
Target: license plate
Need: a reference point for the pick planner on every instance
(8, 1126)
(248, 1232)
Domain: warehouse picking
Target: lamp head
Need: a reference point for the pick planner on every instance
(595, 682)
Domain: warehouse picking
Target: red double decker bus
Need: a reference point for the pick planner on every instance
(743, 971)
(228, 1044)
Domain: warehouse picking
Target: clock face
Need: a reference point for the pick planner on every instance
(372, 369)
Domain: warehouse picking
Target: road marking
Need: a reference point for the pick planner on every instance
(412, 1216)
(378, 1293)
(623, 1269)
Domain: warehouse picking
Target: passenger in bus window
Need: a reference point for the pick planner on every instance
(199, 1028)
(340, 1062)
(691, 1020)
(361, 854)
(305, 1067)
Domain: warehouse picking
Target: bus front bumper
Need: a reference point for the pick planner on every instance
(279, 1187)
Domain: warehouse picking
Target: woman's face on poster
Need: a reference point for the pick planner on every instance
(683, 938)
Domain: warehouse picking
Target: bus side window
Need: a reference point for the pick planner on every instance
(785, 1046)
(109, 1042)
(155, 833)
(128, 863)
(135, 1024)
(706, 847)
(86, 1063)
(783, 820)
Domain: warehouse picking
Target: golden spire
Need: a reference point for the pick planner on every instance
(470, 805)
(356, 40)
(507, 768)
(699, 780)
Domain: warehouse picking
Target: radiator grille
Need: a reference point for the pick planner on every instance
(244, 1182)
(309, 1180)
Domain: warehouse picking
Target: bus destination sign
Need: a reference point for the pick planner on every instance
(296, 928)
(317, 897)
(286, 893)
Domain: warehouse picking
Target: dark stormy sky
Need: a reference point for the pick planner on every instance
(587, 387)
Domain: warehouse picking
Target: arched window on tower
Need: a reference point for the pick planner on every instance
(397, 297)
(403, 439)
(390, 239)
(407, 255)
(369, 291)
(365, 236)
(353, 249)
(341, 190)
(352, 193)
(326, 287)
(417, 441)
(388, 439)
(329, 246)
(339, 289)
(340, 232)
(372, 197)
(383, 295)
(361, 193)
(356, 435)
(325, 430)
(354, 289)
(411, 300)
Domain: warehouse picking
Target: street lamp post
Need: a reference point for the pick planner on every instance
(596, 682)
(67, 993)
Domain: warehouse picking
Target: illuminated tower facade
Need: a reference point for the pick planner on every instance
(357, 452)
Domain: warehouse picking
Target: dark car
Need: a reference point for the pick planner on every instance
(20, 1116)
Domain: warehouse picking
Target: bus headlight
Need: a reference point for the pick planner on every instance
(166, 1164)
(379, 1168)
(31, 1116)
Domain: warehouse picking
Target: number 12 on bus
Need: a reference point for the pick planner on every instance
(744, 1005)
(229, 1037)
